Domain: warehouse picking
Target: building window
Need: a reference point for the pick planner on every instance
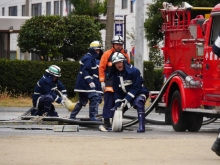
(48, 8)
(36, 9)
(3, 11)
(35, 57)
(13, 11)
(61, 8)
(124, 4)
(56, 7)
(13, 55)
(23, 12)
(68, 6)
(132, 7)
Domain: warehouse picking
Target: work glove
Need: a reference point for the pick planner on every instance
(54, 88)
(92, 85)
(103, 86)
(62, 103)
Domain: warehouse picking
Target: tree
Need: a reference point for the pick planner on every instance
(58, 37)
(89, 7)
(42, 35)
(154, 22)
(81, 31)
(93, 8)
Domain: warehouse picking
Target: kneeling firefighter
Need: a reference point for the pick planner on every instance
(45, 93)
(128, 87)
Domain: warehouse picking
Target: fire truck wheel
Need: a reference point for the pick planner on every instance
(178, 118)
(194, 122)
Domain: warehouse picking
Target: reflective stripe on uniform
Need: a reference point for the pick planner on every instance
(64, 91)
(38, 84)
(143, 96)
(130, 94)
(56, 98)
(118, 100)
(122, 84)
(88, 77)
(37, 103)
(126, 83)
(81, 90)
(94, 75)
(94, 67)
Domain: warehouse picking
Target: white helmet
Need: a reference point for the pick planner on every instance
(95, 45)
(54, 70)
(117, 56)
(117, 40)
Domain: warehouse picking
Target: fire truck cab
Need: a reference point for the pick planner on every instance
(191, 69)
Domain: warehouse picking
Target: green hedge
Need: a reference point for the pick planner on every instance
(20, 77)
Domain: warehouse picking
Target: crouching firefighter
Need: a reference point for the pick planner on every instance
(128, 88)
(45, 93)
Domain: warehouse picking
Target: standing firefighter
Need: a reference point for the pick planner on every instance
(45, 92)
(216, 50)
(87, 83)
(106, 81)
(128, 87)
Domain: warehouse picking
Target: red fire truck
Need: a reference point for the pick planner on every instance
(192, 71)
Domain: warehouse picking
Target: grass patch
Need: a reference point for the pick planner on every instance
(9, 100)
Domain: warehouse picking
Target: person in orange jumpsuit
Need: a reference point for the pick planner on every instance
(106, 81)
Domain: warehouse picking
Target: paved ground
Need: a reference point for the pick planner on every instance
(39, 144)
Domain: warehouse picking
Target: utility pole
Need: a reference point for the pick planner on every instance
(109, 23)
(26, 54)
(139, 35)
(125, 31)
(27, 8)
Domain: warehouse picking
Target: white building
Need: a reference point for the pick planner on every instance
(124, 10)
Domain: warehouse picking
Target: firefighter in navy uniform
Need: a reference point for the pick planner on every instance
(216, 50)
(128, 88)
(45, 93)
(106, 81)
(87, 83)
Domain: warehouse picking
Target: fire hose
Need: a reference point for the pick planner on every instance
(134, 119)
(151, 107)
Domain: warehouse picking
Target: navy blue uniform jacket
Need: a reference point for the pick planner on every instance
(46, 86)
(132, 82)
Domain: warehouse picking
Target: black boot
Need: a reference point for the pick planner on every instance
(107, 124)
(141, 120)
(52, 111)
(216, 146)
